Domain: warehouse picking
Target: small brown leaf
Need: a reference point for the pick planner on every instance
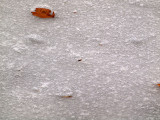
(43, 13)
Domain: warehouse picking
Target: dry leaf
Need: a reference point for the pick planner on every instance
(43, 13)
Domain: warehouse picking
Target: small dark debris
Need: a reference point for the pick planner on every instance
(67, 96)
(80, 60)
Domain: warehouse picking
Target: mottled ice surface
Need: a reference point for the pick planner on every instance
(118, 42)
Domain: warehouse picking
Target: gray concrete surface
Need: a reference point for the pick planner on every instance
(118, 42)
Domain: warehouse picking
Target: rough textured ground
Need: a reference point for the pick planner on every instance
(118, 42)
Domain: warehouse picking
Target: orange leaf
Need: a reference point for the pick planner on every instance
(43, 13)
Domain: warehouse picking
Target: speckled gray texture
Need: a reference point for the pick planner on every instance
(118, 42)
